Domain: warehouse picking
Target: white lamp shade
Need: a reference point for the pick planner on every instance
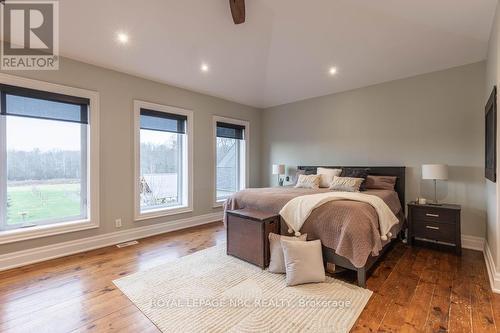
(278, 169)
(435, 171)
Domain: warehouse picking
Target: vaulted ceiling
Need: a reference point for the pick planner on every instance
(284, 50)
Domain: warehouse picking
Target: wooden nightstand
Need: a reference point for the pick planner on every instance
(436, 223)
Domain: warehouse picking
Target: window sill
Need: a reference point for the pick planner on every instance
(218, 203)
(22, 234)
(163, 212)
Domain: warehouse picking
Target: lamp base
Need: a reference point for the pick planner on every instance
(435, 203)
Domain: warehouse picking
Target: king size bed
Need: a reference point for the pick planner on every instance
(348, 229)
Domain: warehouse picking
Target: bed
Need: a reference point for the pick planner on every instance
(348, 230)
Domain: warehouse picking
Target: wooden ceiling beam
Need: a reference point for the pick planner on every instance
(237, 10)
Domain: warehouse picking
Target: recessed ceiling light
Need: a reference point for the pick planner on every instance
(332, 70)
(122, 38)
(204, 67)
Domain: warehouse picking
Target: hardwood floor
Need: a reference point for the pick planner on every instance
(415, 289)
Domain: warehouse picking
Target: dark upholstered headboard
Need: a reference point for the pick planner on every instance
(397, 171)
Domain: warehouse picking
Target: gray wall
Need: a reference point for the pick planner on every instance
(117, 92)
(432, 118)
(424, 119)
(492, 79)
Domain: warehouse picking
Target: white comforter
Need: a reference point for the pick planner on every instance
(297, 210)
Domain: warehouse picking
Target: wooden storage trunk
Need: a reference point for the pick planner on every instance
(247, 235)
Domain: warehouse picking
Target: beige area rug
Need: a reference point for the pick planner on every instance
(209, 291)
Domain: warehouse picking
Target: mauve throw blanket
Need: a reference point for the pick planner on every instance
(349, 227)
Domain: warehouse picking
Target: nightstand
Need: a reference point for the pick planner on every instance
(440, 224)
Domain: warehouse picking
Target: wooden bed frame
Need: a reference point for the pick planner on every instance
(328, 253)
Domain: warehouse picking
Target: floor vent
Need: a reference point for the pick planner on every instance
(127, 244)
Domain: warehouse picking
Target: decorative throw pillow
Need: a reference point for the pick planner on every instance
(308, 181)
(301, 172)
(381, 182)
(277, 262)
(303, 262)
(356, 173)
(297, 174)
(326, 176)
(346, 184)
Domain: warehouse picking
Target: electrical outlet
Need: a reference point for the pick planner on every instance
(118, 223)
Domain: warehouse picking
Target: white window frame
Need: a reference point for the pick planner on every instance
(187, 162)
(92, 167)
(245, 177)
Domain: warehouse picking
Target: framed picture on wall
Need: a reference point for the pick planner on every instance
(490, 165)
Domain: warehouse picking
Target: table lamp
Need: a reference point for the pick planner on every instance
(279, 169)
(435, 172)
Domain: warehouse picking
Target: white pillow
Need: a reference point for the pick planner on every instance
(326, 176)
(346, 184)
(308, 181)
(277, 262)
(303, 262)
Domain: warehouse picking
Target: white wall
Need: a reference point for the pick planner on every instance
(431, 118)
(491, 189)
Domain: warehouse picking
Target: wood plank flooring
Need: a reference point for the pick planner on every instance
(415, 289)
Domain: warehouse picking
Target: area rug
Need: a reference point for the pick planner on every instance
(209, 291)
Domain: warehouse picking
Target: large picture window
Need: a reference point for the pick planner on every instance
(44, 162)
(230, 152)
(163, 160)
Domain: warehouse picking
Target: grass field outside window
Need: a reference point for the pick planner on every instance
(28, 202)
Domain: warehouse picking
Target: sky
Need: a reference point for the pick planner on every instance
(26, 134)
(157, 137)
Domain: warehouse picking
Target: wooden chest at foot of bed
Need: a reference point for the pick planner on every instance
(247, 235)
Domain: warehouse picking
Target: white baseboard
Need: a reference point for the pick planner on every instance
(493, 273)
(473, 242)
(31, 256)
(480, 244)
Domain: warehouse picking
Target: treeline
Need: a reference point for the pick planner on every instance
(38, 165)
(63, 164)
(158, 158)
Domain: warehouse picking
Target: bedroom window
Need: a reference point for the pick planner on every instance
(44, 168)
(162, 169)
(231, 139)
